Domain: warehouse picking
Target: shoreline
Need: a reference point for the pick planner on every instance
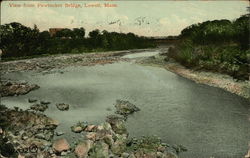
(223, 81)
(240, 88)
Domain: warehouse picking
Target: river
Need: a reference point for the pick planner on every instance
(208, 121)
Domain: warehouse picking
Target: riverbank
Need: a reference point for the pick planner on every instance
(223, 81)
(48, 63)
(29, 133)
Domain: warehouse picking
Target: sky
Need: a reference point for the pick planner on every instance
(147, 18)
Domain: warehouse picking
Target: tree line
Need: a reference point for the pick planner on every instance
(218, 45)
(220, 32)
(17, 40)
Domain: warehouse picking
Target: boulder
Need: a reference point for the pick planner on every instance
(82, 149)
(62, 106)
(32, 100)
(90, 128)
(117, 124)
(99, 150)
(9, 88)
(79, 127)
(76, 129)
(60, 145)
(125, 155)
(91, 136)
(39, 107)
(44, 102)
(59, 133)
(108, 139)
(119, 145)
(125, 107)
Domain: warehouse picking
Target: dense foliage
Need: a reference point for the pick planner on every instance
(219, 45)
(17, 40)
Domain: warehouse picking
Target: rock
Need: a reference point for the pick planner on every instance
(125, 155)
(52, 122)
(10, 88)
(39, 107)
(119, 145)
(91, 136)
(32, 100)
(60, 145)
(108, 139)
(161, 148)
(40, 136)
(117, 124)
(106, 126)
(82, 148)
(64, 153)
(179, 148)
(49, 134)
(125, 107)
(62, 106)
(45, 102)
(99, 128)
(58, 133)
(77, 129)
(90, 128)
(99, 150)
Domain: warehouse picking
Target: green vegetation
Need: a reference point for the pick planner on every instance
(17, 40)
(219, 45)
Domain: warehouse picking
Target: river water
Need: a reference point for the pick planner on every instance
(207, 120)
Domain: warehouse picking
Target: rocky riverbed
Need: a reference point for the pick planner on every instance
(50, 63)
(30, 134)
(12, 88)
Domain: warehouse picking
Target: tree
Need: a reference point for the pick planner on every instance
(66, 33)
(78, 33)
(94, 34)
(95, 38)
(17, 40)
(242, 28)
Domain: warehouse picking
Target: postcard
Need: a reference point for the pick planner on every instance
(125, 78)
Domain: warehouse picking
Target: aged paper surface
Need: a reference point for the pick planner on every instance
(124, 78)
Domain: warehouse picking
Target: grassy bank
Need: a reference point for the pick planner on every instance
(219, 46)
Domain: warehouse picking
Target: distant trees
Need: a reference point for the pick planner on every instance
(64, 33)
(17, 40)
(219, 31)
(78, 33)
